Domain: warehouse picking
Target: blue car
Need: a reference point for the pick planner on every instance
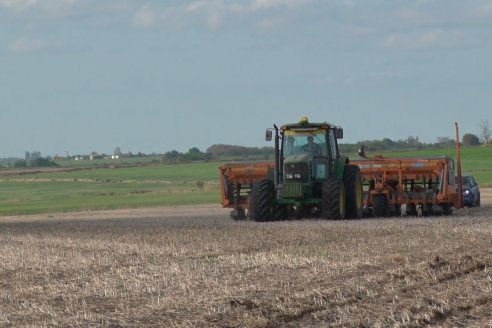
(471, 191)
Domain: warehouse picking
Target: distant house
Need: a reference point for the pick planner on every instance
(94, 156)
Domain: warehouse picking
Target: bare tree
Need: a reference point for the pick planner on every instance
(484, 131)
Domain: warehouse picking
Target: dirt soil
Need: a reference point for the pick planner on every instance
(133, 213)
(192, 266)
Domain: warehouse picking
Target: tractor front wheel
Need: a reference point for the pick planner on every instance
(333, 202)
(262, 197)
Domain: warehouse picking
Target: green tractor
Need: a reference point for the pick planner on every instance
(311, 178)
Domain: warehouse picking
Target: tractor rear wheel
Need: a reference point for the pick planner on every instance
(352, 180)
(262, 197)
(380, 206)
(333, 201)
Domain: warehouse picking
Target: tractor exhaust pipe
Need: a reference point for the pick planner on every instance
(458, 160)
(277, 155)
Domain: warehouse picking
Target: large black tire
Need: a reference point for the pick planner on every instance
(280, 213)
(238, 214)
(228, 189)
(447, 209)
(333, 201)
(262, 197)
(380, 206)
(352, 180)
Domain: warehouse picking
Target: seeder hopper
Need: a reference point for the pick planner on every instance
(414, 186)
(236, 182)
(411, 186)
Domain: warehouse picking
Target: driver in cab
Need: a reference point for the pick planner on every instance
(312, 147)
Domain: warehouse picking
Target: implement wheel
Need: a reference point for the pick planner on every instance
(447, 209)
(380, 206)
(238, 214)
(352, 180)
(262, 197)
(333, 202)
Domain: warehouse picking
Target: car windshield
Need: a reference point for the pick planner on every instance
(467, 180)
(295, 142)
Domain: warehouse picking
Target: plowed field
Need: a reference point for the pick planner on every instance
(195, 267)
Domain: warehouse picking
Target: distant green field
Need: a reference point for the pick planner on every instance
(156, 185)
(109, 188)
(109, 162)
(175, 173)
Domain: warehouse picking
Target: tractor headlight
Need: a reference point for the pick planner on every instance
(466, 192)
(289, 176)
(297, 175)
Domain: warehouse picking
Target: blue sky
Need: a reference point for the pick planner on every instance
(152, 76)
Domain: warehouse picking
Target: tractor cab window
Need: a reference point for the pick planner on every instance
(312, 142)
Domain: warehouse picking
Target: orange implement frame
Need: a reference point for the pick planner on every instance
(237, 179)
(415, 182)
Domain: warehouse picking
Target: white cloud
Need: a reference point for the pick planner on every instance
(214, 20)
(194, 6)
(488, 7)
(390, 41)
(208, 12)
(483, 9)
(145, 17)
(211, 13)
(40, 8)
(21, 46)
(435, 38)
(430, 38)
(265, 4)
(386, 75)
(43, 4)
(270, 23)
(18, 4)
(349, 3)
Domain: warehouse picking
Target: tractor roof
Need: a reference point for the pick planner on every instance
(305, 124)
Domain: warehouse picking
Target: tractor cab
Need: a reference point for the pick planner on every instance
(308, 157)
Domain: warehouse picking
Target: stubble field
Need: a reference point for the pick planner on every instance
(192, 266)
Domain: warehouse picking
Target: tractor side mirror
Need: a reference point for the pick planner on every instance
(362, 151)
(268, 135)
(339, 133)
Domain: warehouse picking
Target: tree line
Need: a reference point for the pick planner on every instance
(224, 151)
(34, 159)
(386, 144)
